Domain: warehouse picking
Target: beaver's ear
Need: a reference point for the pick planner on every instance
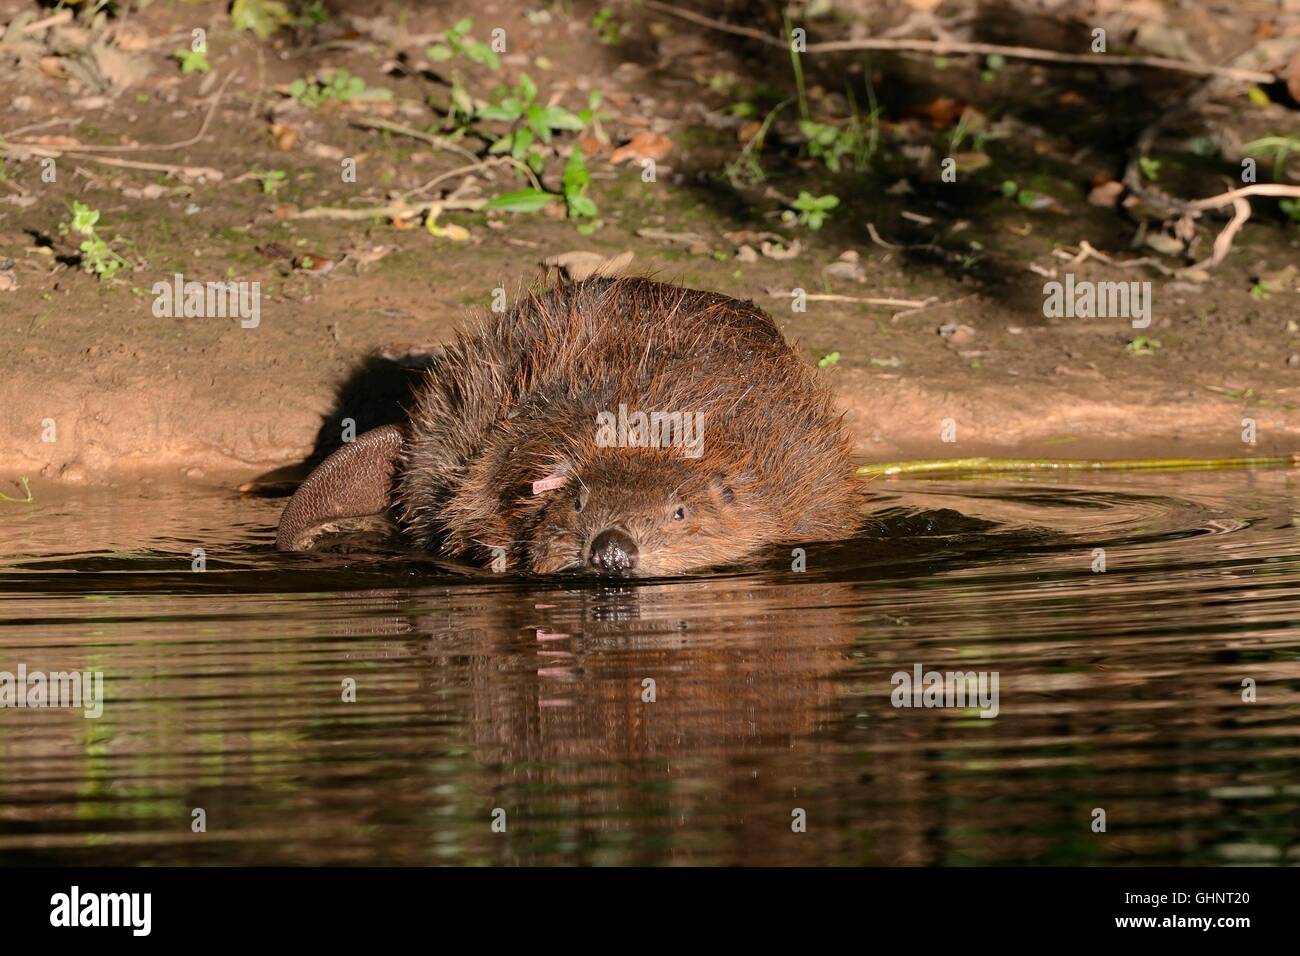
(356, 481)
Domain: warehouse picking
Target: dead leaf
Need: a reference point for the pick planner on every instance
(942, 111)
(654, 146)
(1106, 194)
(285, 136)
(956, 334)
(970, 162)
(579, 265)
(775, 250)
(663, 235)
(313, 263)
(131, 38)
(120, 70)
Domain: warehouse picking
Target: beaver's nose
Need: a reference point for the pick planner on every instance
(613, 550)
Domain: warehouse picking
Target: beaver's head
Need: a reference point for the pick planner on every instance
(645, 512)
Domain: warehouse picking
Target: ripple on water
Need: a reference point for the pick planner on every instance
(1119, 689)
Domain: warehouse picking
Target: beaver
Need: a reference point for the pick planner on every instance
(613, 425)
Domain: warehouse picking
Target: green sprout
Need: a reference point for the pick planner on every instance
(609, 30)
(338, 86)
(1142, 346)
(271, 179)
(263, 17)
(813, 210)
(192, 61)
(96, 256)
(457, 42)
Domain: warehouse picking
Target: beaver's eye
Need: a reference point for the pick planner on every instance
(577, 504)
(679, 514)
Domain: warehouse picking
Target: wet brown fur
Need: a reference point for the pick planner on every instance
(515, 399)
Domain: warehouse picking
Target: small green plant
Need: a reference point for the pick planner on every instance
(271, 179)
(313, 13)
(1279, 147)
(745, 169)
(338, 86)
(1142, 346)
(826, 361)
(263, 17)
(457, 42)
(531, 122)
(20, 501)
(609, 30)
(813, 210)
(1026, 197)
(96, 256)
(992, 63)
(1259, 291)
(1150, 167)
(576, 180)
(1290, 208)
(192, 61)
(833, 144)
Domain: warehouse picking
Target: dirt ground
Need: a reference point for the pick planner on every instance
(126, 390)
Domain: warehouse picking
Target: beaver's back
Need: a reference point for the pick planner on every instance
(530, 383)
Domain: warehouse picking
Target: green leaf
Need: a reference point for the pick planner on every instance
(438, 53)
(557, 117)
(521, 200)
(484, 54)
(527, 88)
(84, 218)
(263, 17)
(582, 207)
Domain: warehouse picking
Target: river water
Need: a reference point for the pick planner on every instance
(352, 708)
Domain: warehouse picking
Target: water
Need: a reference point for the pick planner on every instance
(1120, 690)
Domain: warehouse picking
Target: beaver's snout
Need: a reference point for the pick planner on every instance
(613, 550)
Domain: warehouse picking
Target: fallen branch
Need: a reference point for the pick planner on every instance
(1223, 241)
(394, 210)
(934, 303)
(1230, 197)
(944, 47)
(1086, 252)
(829, 297)
(58, 19)
(442, 142)
(53, 152)
(478, 166)
(1241, 212)
(875, 237)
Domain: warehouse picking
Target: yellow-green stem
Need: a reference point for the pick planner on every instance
(953, 466)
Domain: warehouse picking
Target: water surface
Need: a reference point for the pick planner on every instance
(1119, 690)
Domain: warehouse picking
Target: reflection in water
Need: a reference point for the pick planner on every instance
(1120, 690)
